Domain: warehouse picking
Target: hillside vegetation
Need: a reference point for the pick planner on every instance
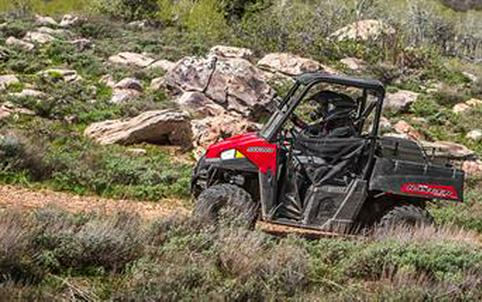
(69, 82)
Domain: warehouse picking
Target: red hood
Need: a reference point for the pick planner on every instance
(255, 148)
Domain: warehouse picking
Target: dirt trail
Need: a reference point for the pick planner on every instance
(17, 197)
(12, 197)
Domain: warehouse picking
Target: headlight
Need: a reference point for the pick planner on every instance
(231, 154)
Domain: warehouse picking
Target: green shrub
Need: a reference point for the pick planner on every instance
(19, 155)
(126, 9)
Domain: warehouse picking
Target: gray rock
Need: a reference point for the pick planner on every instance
(141, 24)
(157, 84)
(45, 21)
(131, 59)
(163, 127)
(8, 109)
(66, 75)
(124, 95)
(70, 20)
(443, 149)
(81, 44)
(402, 127)
(472, 167)
(107, 80)
(7, 81)
(211, 129)
(38, 37)
(400, 101)
(354, 64)
(29, 93)
(291, 65)
(199, 104)
(466, 106)
(12, 41)
(61, 33)
(235, 84)
(129, 83)
(162, 64)
(475, 135)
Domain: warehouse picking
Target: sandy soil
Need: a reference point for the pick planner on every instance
(17, 197)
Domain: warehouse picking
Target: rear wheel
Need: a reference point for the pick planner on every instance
(406, 215)
(226, 203)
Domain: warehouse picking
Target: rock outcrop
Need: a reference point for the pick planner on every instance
(235, 84)
(161, 127)
(199, 105)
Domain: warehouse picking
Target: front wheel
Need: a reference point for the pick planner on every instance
(406, 215)
(227, 204)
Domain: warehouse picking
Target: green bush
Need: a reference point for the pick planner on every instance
(126, 9)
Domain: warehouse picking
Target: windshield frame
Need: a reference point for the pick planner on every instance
(283, 111)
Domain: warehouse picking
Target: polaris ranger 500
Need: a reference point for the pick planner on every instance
(331, 173)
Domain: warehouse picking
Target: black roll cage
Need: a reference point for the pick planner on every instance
(308, 80)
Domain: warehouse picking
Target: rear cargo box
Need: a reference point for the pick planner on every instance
(417, 179)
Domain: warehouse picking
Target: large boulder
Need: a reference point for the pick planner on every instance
(235, 84)
(163, 127)
(364, 30)
(199, 104)
(7, 81)
(215, 128)
(14, 42)
(400, 101)
(290, 65)
(131, 59)
(231, 52)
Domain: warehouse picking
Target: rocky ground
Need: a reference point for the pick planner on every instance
(96, 107)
